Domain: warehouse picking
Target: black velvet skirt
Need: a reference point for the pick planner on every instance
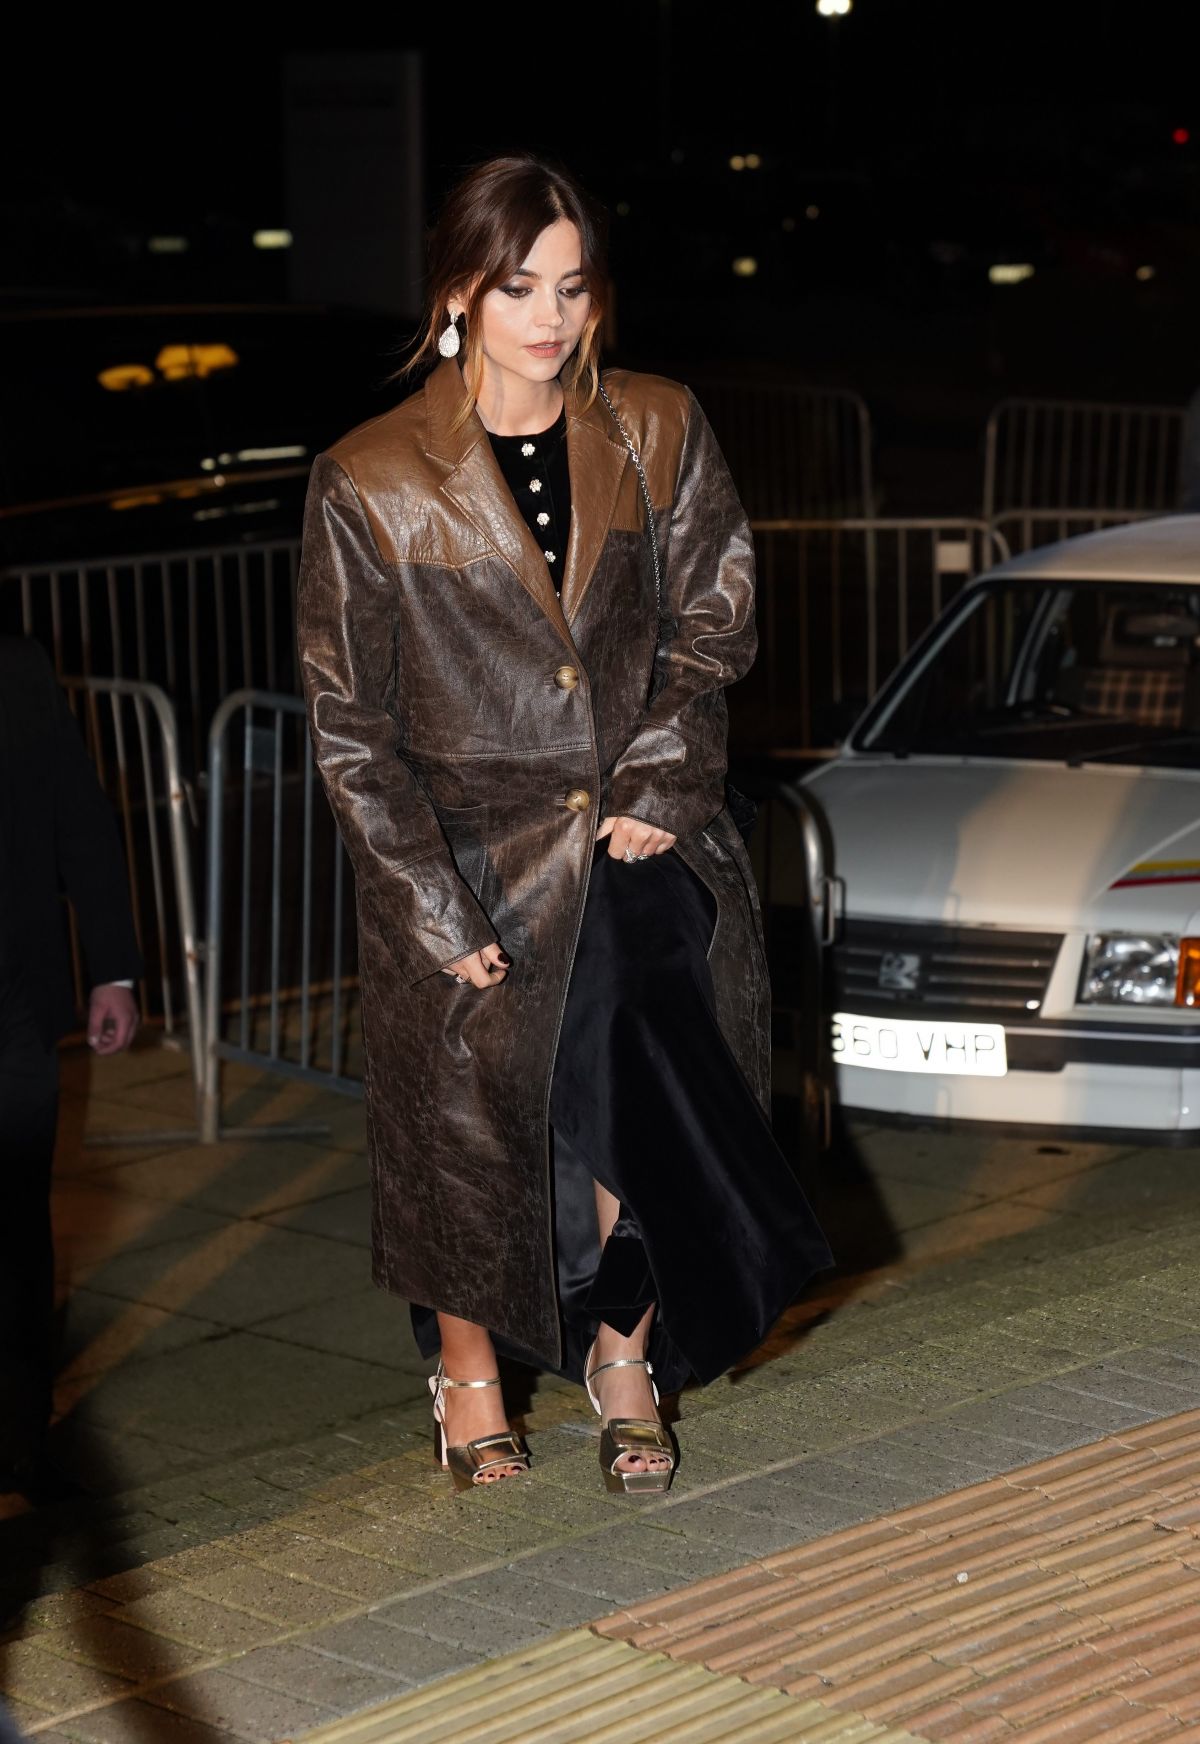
(648, 1099)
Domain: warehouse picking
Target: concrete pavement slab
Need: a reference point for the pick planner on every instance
(989, 1166)
(210, 1395)
(108, 1460)
(319, 1677)
(93, 1221)
(233, 1704)
(51, 1684)
(339, 1217)
(176, 1614)
(100, 1332)
(909, 1204)
(110, 1644)
(237, 1273)
(405, 1657)
(482, 1629)
(140, 1723)
(243, 1178)
(368, 1324)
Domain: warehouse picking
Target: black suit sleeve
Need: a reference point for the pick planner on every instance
(91, 863)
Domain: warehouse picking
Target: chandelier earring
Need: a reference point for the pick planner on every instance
(449, 341)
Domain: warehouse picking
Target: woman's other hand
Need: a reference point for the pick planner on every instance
(632, 833)
(485, 968)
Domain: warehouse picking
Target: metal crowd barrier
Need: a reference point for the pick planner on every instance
(129, 730)
(198, 623)
(839, 604)
(281, 956)
(280, 933)
(1026, 529)
(793, 451)
(1040, 453)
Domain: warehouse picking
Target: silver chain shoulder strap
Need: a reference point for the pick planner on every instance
(641, 472)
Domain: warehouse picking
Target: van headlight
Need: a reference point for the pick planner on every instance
(1129, 969)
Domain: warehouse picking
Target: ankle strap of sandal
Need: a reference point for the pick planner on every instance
(622, 1362)
(444, 1380)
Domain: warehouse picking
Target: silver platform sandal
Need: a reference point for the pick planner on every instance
(637, 1435)
(469, 1463)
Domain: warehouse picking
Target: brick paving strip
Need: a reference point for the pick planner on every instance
(357, 1575)
(1058, 1602)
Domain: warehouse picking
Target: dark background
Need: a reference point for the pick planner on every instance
(930, 140)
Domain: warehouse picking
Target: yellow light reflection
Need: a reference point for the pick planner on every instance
(125, 375)
(179, 362)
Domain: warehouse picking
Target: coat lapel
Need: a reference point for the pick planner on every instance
(476, 486)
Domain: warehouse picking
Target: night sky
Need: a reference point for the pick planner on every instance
(928, 139)
(167, 128)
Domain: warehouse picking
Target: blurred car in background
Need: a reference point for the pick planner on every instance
(154, 429)
(1016, 831)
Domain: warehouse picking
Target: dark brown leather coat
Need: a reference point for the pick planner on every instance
(455, 704)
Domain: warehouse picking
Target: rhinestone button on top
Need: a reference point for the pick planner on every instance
(566, 678)
(578, 799)
(535, 485)
(527, 449)
(543, 519)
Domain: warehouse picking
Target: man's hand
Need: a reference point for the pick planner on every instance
(112, 1019)
(632, 833)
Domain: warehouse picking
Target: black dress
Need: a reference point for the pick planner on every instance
(647, 1097)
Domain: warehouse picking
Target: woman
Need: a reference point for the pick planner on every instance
(564, 989)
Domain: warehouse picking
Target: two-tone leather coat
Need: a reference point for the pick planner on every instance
(472, 730)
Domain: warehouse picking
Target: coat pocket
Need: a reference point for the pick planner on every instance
(465, 830)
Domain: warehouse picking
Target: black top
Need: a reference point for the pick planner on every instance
(535, 470)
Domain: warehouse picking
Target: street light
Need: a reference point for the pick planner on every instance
(834, 8)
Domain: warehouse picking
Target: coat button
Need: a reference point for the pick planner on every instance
(566, 678)
(578, 799)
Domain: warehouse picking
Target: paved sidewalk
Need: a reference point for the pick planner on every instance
(1060, 1602)
(267, 1547)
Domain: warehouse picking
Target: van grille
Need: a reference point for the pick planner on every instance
(953, 970)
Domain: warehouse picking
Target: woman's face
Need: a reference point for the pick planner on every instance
(532, 322)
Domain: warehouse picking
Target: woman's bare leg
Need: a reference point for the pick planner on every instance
(468, 1355)
(624, 1392)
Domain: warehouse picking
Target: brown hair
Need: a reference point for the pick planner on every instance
(489, 222)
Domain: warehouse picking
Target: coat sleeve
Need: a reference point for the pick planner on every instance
(347, 628)
(672, 772)
(91, 863)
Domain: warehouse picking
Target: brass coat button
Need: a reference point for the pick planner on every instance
(566, 678)
(578, 799)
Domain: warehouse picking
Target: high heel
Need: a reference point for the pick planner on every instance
(637, 1435)
(468, 1463)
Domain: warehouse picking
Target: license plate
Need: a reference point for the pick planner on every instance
(901, 1044)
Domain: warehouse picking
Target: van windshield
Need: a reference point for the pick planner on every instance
(1070, 671)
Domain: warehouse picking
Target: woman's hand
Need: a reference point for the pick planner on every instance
(632, 833)
(485, 968)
